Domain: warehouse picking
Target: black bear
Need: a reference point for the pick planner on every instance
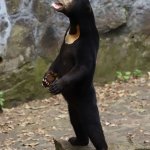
(71, 74)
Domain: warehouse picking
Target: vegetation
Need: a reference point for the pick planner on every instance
(2, 100)
(125, 76)
(137, 73)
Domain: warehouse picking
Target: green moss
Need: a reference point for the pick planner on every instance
(125, 54)
(25, 84)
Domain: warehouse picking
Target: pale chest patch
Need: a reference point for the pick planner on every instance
(71, 38)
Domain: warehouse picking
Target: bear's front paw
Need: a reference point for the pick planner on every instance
(56, 87)
(48, 79)
(45, 83)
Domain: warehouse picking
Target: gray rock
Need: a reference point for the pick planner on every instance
(139, 19)
(109, 14)
(5, 29)
(64, 145)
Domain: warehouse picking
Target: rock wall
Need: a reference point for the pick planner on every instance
(132, 14)
(31, 34)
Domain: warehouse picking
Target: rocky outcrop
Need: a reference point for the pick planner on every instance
(31, 32)
(5, 28)
(109, 14)
(131, 16)
(139, 18)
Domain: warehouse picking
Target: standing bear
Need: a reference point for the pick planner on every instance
(71, 74)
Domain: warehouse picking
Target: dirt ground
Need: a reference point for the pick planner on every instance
(124, 109)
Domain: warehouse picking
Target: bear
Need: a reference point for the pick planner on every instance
(71, 73)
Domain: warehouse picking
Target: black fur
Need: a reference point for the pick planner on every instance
(75, 67)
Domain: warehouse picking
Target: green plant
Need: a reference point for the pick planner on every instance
(2, 100)
(127, 75)
(123, 76)
(137, 73)
(119, 75)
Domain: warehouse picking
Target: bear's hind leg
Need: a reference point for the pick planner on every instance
(90, 117)
(81, 138)
(96, 136)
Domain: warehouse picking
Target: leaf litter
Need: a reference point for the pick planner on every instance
(124, 107)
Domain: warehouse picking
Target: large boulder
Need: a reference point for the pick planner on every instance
(109, 14)
(138, 21)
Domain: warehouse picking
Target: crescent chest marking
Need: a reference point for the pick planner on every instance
(71, 38)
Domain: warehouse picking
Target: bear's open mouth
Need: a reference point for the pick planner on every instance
(57, 5)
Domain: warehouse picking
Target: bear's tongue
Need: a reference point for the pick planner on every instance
(57, 5)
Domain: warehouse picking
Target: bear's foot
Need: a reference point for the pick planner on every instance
(76, 142)
(105, 147)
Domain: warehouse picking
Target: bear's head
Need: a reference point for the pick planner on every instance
(80, 15)
(72, 8)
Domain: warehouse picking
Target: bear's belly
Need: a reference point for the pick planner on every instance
(66, 66)
(67, 61)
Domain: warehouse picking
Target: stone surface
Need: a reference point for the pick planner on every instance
(12, 6)
(139, 18)
(126, 54)
(5, 29)
(24, 84)
(64, 145)
(109, 14)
